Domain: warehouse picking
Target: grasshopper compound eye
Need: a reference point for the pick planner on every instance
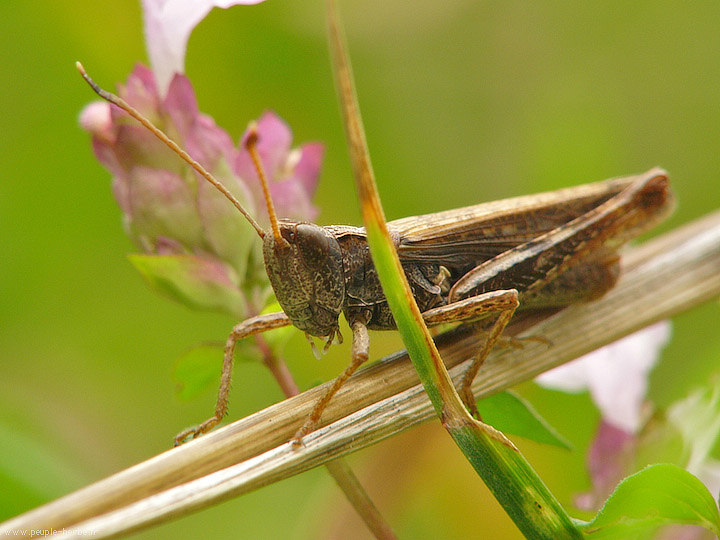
(313, 242)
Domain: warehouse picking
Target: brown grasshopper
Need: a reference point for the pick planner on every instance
(465, 265)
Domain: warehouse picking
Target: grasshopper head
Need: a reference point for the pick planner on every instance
(306, 273)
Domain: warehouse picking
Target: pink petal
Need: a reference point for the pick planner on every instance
(141, 92)
(274, 142)
(168, 25)
(121, 192)
(307, 170)
(616, 375)
(200, 135)
(292, 201)
(96, 119)
(609, 459)
(274, 139)
(106, 154)
(211, 140)
(180, 102)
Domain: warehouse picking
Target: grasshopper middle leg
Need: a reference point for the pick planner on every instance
(359, 355)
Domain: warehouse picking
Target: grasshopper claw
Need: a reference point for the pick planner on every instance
(308, 427)
(194, 432)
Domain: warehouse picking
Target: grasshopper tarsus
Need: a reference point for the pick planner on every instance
(468, 398)
(194, 432)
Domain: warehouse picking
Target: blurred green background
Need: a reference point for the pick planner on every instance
(463, 102)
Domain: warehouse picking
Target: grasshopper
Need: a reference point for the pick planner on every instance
(477, 264)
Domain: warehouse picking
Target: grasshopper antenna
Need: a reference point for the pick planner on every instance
(251, 146)
(119, 102)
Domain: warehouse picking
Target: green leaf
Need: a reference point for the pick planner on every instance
(198, 283)
(510, 413)
(199, 369)
(658, 495)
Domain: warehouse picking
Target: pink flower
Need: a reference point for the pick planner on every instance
(169, 211)
(610, 458)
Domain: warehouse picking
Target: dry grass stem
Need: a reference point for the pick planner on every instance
(667, 275)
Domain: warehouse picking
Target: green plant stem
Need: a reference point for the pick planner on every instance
(508, 475)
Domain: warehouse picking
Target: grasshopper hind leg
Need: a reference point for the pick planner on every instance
(500, 304)
(491, 339)
(585, 282)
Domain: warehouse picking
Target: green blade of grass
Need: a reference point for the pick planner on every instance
(508, 475)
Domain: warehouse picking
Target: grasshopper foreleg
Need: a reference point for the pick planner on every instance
(247, 328)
